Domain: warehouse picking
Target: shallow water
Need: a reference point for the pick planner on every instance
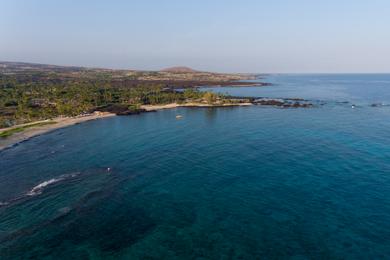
(220, 183)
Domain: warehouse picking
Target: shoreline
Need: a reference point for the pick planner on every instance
(45, 126)
(176, 105)
(236, 85)
(62, 122)
(59, 122)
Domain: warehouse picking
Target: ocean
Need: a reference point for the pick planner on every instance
(221, 183)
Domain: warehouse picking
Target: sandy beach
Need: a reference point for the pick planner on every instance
(60, 122)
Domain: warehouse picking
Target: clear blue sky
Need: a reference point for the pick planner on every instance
(217, 35)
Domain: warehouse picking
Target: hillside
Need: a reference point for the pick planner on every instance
(179, 69)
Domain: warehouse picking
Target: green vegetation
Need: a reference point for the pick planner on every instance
(12, 131)
(210, 97)
(32, 92)
(31, 96)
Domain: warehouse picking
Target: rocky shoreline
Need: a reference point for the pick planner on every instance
(284, 103)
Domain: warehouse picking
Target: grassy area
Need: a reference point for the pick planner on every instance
(15, 130)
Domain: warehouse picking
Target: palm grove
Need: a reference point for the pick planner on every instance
(34, 96)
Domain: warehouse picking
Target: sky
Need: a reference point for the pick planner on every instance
(262, 36)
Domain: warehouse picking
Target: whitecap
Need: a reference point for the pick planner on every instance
(3, 204)
(39, 188)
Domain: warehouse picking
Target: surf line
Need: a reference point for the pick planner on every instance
(38, 189)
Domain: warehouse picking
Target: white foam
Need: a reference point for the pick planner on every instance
(39, 188)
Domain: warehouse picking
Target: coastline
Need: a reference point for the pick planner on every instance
(36, 128)
(59, 122)
(175, 105)
(236, 84)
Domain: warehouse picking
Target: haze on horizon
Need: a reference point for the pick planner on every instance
(222, 35)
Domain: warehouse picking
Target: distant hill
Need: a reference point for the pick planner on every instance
(26, 66)
(179, 70)
(9, 66)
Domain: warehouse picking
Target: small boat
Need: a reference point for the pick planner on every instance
(179, 116)
(353, 106)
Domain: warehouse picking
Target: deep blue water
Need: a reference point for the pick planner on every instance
(226, 183)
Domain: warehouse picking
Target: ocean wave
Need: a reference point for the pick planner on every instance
(40, 187)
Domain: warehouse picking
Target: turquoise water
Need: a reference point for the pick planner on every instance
(362, 89)
(226, 183)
